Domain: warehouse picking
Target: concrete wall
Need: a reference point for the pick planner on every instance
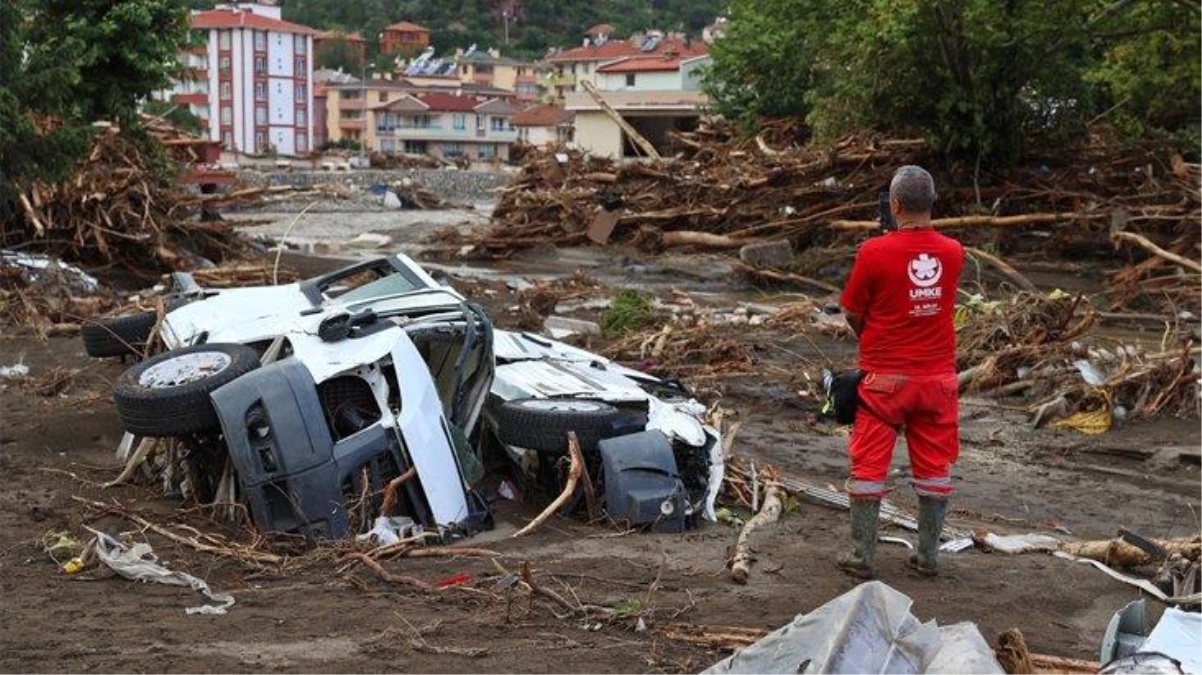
(646, 81)
(457, 187)
(598, 134)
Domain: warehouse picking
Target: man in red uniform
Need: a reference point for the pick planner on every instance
(899, 300)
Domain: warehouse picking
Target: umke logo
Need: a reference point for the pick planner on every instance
(925, 270)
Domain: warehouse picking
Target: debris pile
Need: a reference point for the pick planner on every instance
(1041, 347)
(1138, 205)
(121, 209)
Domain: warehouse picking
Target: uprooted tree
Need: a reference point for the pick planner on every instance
(980, 79)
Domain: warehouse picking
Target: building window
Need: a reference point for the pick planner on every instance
(260, 91)
(302, 142)
(227, 139)
(497, 123)
(487, 151)
(460, 122)
(260, 141)
(223, 64)
(260, 65)
(223, 39)
(302, 94)
(302, 44)
(452, 150)
(586, 67)
(227, 115)
(299, 66)
(383, 97)
(261, 115)
(302, 119)
(227, 91)
(629, 79)
(260, 41)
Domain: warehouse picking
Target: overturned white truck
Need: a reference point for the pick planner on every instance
(307, 390)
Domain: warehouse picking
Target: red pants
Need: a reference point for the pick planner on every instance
(927, 407)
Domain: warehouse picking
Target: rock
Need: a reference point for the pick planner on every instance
(777, 254)
(370, 240)
(391, 200)
(561, 326)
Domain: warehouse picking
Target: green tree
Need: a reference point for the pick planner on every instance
(122, 50)
(764, 66)
(338, 54)
(1150, 73)
(37, 83)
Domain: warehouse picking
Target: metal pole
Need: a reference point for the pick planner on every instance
(363, 98)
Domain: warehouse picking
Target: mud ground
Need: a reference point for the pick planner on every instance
(311, 618)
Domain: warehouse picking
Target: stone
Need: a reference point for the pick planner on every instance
(778, 254)
(370, 240)
(561, 326)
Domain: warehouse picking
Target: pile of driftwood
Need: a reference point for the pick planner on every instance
(1135, 205)
(122, 208)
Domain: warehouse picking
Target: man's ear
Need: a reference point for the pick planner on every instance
(895, 206)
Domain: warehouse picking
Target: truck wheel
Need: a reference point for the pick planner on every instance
(122, 336)
(168, 395)
(542, 424)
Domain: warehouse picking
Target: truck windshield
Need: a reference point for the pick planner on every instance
(392, 284)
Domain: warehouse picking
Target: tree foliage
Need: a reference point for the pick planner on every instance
(537, 24)
(980, 78)
(67, 63)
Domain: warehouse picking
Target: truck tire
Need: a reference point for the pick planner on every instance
(542, 424)
(121, 336)
(168, 395)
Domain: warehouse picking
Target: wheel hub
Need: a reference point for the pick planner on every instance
(183, 369)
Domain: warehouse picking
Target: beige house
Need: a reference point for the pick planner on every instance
(491, 69)
(652, 113)
(543, 125)
(444, 125)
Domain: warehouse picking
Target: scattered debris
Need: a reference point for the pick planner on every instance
(139, 563)
(869, 629)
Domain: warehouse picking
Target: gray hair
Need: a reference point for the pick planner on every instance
(914, 188)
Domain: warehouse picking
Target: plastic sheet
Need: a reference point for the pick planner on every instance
(867, 630)
(139, 563)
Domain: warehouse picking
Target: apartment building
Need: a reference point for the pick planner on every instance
(491, 69)
(251, 81)
(571, 67)
(445, 125)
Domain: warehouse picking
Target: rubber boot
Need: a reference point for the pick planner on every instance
(858, 561)
(931, 512)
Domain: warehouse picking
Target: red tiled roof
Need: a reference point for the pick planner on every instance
(616, 49)
(407, 27)
(642, 64)
(541, 116)
(443, 102)
(227, 18)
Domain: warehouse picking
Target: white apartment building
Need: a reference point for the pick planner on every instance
(252, 82)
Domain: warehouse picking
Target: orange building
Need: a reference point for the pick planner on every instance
(404, 39)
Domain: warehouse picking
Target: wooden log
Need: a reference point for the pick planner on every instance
(1118, 553)
(785, 277)
(701, 239)
(1157, 251)
(740, 566)
(979, 221)
(574, 472)
(1000, 265)
(635, 137)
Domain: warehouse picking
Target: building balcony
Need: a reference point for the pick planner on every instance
(565, 80)
(345, 123)
(198, 98)
(435, 132)
(350, 103)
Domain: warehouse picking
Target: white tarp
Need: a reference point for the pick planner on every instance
(139, 563)
(869, 629)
